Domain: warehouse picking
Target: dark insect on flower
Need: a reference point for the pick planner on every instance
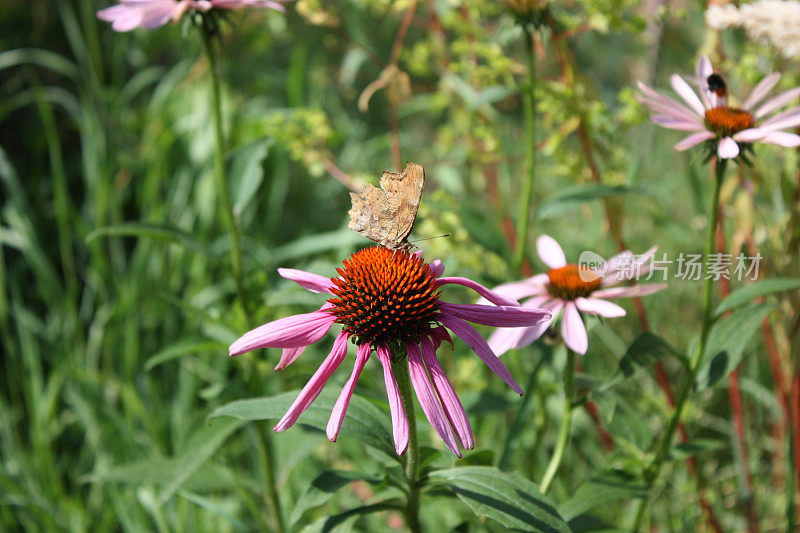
(716, 84)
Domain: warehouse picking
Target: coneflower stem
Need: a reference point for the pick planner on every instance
(566, 422)
(219, 172)
(264, 437)
(654, 469)
(403, 377)
(526, 194)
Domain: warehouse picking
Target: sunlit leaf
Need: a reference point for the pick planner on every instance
(508, 498)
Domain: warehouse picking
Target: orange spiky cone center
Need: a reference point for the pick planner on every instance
(384, 295)
(726, 121)
(572, 281)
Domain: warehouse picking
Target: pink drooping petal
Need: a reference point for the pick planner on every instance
(596, 306)
(675, 123)
(776, 102)
(787, 119)
(669, 107)
(307, 280)
(688, 95)
(453, 408)
(439, 336)
(782, 138)
(550, 252)
(289, 356)
(474, 340)
(499, 316)
(122, 18)
(634, 291)
(533, 286)
(750, 135)
(504, 339)
(531, 335)
(237, 4)
(727, 148)
(427, 398)
(693, 140)
(156, 16)
(491, 296)
(703, 71)
(315, 384)
(626, 266)
(664, 104)
(290, 332)
(437, 267)
(761, 90)
(622, 260)
(396, 409)
(340, 408)
(573, 330)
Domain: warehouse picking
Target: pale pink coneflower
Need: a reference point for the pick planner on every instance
(150, 14)
(388, 301)
(569, 290)
(711, 118)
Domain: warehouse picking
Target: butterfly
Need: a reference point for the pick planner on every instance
(386, 215)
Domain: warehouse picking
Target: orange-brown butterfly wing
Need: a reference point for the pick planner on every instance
(387, 215)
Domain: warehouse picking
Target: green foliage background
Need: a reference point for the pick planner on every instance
(115, 288)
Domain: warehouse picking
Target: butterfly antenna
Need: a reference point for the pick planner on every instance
(429, 238)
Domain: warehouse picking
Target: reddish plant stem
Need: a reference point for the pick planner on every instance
(605, 436)
(735, 400)
(783, 393)
(397, 48)
(796, 433)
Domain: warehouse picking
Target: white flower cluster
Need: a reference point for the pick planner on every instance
(773, 21)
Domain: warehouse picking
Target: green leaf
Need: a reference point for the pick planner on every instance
(485, 231)
(607, 487)
(727, 341)
(325, 486)
(325, 525)
(153, 231)
(750, 292)
(364, 421)
(248, 172)
(181, 470)
(645, 350)
(214, 507)
(691, 448)
(181, 348)
(199, 449)
(508, 498)
(575, 196)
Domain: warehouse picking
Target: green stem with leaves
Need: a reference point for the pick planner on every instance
(403, 377)
(219, 172)
(566, 422)
(530, 143)
(662, 451)
(265, 450)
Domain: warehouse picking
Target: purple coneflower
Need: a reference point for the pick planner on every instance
(711, 118)
(388, 301)
(575, 289)
(150, 14)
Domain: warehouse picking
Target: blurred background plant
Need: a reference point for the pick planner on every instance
(116, 290)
